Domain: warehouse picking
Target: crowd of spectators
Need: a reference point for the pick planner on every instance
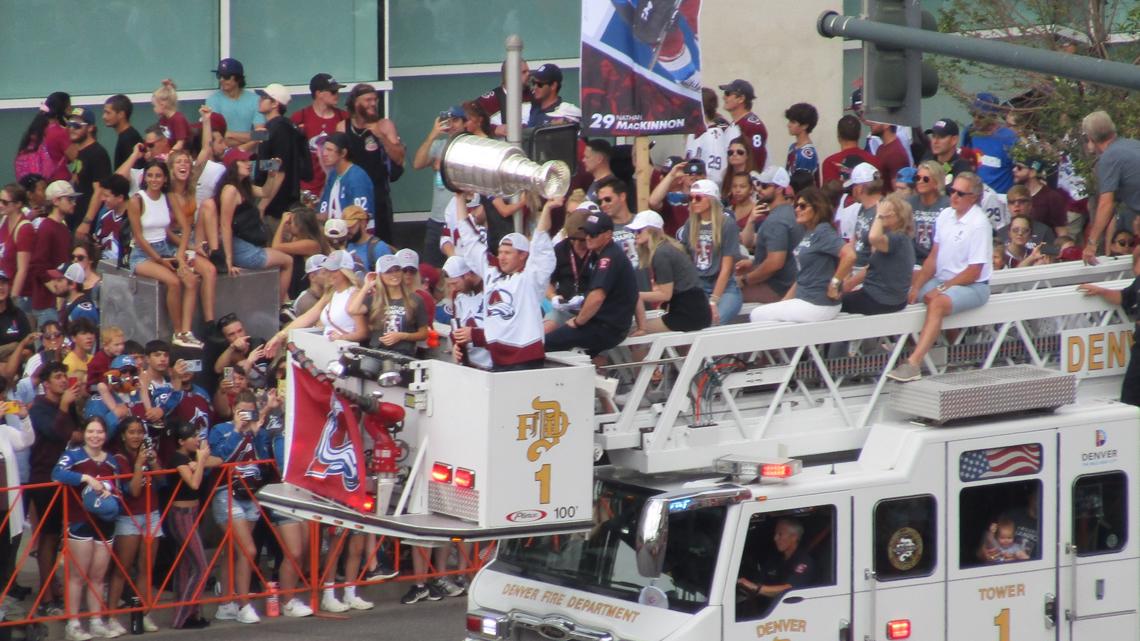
(894, 218)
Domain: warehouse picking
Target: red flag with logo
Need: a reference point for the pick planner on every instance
(326, 451)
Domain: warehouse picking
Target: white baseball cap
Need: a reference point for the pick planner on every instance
(338, 260)
(773, 175)
(862, 174)
(336, 228)
(455, 267)
(516, 240)
(314, 262)
(60, 189)
(705, 187)
(75, 273)
(386, 262)
(276, 91)
(647, 218)
(408, 258)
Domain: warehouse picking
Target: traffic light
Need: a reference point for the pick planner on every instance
(895, 80)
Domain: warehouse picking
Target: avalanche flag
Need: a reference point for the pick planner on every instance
(326, 453)
(641, 67)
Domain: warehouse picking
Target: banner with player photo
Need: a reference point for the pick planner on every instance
(641, 67)
(326, 454)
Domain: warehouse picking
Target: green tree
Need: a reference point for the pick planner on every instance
(1047, 108)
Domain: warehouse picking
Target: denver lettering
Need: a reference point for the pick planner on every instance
(781, 625)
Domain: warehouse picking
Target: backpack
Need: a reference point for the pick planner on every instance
(34, 161)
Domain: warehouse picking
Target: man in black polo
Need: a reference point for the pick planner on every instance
(606, 314)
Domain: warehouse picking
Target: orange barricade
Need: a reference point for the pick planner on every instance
(313, 573)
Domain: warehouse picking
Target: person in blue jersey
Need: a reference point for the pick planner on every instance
(347, 184)
(993, 142)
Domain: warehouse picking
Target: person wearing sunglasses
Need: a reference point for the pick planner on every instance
(17, 239)
(316, 121)
(713, 241)
(1123, 242)
(571, 277)
(738, 98)
(237, 104)
(928, 201)
(155, 146)
(773, 232)
(1050, 206)
(823, 261)
(739, 163)
(545, 85)
(955, 277)
(943, 135)
(91, 164)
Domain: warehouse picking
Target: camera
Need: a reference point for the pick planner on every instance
(269, 164)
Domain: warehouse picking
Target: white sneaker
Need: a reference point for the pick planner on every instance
(148, 625)
(357, 603)
(115, 627)
(100, 629)
(226, 612)
(296, 608)
(329, 603)
(248, 615)
(75, 632)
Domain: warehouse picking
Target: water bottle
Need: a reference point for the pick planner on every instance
(136, 616)
(272, 602)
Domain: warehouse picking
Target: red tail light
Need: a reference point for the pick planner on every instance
(369, 503)
(474, 623)
(776, 470)
(464, 478)
(441, 473)
(898, 629)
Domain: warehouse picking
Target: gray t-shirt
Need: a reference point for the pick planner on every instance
(924, 219)
(397, 319)
(672, 266)
(817, 256)
(779, 233)
(706, 256)
(862, 231)
(440, 195)
(1118, 171)
(888, 274)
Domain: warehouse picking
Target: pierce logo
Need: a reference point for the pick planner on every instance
(526, 516)
(1101, 438)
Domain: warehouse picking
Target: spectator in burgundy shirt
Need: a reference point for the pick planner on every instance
(316, 122)
(49, 127)
(891, 154)
(837, 166)
(17, 236)
(52, 249)
(165, 102)
(1050, 206)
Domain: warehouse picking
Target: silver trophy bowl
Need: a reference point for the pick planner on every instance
(488, 166)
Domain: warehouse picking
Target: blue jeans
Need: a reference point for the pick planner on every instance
(730, 301)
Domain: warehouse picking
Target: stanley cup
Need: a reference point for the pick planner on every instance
(487, 166)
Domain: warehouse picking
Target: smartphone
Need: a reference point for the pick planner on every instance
(194, 365)
(270, 164)
(245, 416)
(445, 115)
(228, 374)
(72, 381)
(11, 407)
(1050, 250)
(281, 386)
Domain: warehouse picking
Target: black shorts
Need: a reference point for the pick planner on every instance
(593, 337)
(688, 311)
(89, 528)
(860, 302)
(52, 520)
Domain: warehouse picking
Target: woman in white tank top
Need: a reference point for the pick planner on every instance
(159, 254)
(331, 312)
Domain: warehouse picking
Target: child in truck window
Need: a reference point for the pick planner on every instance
(1000, 545)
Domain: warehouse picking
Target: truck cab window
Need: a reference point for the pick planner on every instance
(1000, 523)
(905, 537)
(1100, 513)
(784, 551)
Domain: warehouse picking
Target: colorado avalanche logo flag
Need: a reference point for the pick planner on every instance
(326, 449)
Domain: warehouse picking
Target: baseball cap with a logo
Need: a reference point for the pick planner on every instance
(323, 82)
(862, 174)
(229, 67)
(336, 228)
(943, 127)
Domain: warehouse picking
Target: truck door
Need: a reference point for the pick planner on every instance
(900, 558)
(1098, 591)
(1001, 524)
(814, 602)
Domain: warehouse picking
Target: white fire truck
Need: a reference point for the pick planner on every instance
(765, 481)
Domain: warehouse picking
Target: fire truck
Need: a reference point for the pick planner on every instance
(766, 481)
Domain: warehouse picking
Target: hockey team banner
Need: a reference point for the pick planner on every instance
(641, 67)
(326, 453)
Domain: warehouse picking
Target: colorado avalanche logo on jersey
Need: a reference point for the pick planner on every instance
(501, 303)
(335, 455)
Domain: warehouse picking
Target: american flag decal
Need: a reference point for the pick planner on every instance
(999, 462)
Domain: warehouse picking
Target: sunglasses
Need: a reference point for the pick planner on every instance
(956, 192)
(539, 83)
(802, 205)
(78, 257)
(925, 179)
(227, 76)
(410, 270)
(76, 125)
(697, 197)
(736, 152)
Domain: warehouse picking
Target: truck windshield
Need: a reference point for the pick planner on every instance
(603, 560)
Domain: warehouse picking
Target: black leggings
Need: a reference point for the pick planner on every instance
(859, 302)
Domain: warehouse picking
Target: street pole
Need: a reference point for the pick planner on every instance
(513, 109)
(1106, 72)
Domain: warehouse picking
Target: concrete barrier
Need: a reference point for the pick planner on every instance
(138, 305)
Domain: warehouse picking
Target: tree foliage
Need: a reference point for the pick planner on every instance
(1043, 107)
